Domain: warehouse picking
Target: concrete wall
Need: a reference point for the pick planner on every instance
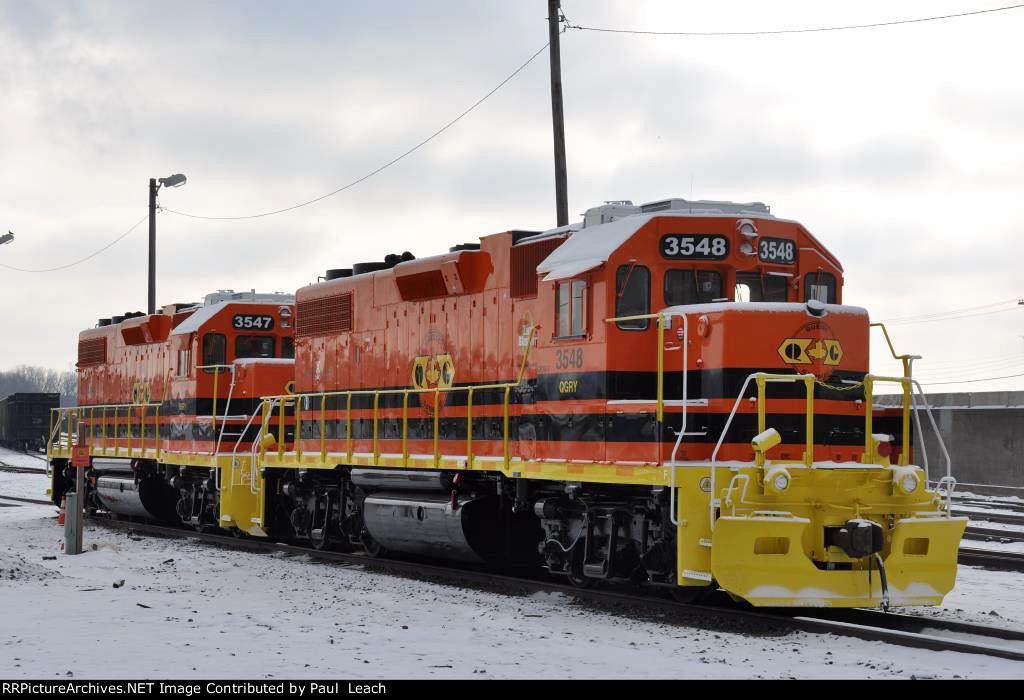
(983, 431)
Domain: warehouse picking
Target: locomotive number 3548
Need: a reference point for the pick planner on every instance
(699, 246)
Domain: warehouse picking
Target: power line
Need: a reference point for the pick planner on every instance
(951, 311)
(387, 165)
(87, 257)
(973, 381)
(1017, 307)
(967, 312)
(804, 30)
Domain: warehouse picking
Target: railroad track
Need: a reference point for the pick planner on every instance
(5, 467)
(989, 534)
(893, 628)
(34, 501)
(991, 559)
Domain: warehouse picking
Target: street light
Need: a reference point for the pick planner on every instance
(6, 238)
(176, 180)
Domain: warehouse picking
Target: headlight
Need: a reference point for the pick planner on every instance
(777, 479)
(906, 480)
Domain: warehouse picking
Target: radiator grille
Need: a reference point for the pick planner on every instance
(92, 351)
(325, 315)
(525, 259)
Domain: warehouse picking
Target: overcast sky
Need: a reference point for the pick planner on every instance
(901, 148)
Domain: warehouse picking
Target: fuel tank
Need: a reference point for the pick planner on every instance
(149, 498)
(476, 530)
(401, 480)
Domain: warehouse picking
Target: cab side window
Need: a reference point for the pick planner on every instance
(215, 349)
(184, 363)
(570, 308)
(288, 348)
(692, 287)
(820, 286)
(633, 296)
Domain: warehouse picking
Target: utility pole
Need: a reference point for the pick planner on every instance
(151, 309)
(154, 186)
(557, 116)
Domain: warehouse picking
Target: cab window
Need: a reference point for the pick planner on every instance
(254, 346)
(820, 286)
(288, 348)
(692, 287)
(633, 295)
(215, 349)
(751, 286)
(570, 308)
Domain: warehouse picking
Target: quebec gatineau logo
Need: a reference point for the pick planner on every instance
(433, 372)
(812, 349)
(432, 369)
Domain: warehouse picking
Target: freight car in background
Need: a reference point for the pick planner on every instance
(25, 418)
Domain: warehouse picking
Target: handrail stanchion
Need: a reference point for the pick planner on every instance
(506, 454)
(280, 430)
(49, 439)
(405, 428)
(762, 417)
(809, 427)
(376, 407)
(323, 426)
(348, 425)
(869, 425)
(216, 375)
(437, 427)
(904, 459)
(469, 429)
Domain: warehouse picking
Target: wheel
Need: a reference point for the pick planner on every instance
(320, 542)
(580, 581)
(372, 546)
(691, 595)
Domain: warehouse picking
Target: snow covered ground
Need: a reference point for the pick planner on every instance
(190, 610)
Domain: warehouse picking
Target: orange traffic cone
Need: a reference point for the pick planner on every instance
(63, 510)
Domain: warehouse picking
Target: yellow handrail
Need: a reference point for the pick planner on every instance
(75, 415)
(908, 364)
(405, 393)
(870, 452)
(659, 338)
(762, 379)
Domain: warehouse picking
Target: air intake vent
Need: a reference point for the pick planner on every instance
(92, 352)
(525, 259)
(422, 285)
(324, 316)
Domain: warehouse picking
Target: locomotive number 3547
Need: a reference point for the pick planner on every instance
(251, 321)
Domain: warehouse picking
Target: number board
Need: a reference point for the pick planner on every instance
(253, 322)
(698, 246)
(776, 250)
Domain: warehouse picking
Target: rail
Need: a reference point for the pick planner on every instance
(280, 403)
(115, 416)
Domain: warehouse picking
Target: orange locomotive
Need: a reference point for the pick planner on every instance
(165, 402)
(672, 394)
(669, 393)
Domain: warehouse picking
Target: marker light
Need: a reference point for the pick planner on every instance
(906, 480)
(777, 479)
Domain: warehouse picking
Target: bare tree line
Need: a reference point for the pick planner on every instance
(40, 379)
